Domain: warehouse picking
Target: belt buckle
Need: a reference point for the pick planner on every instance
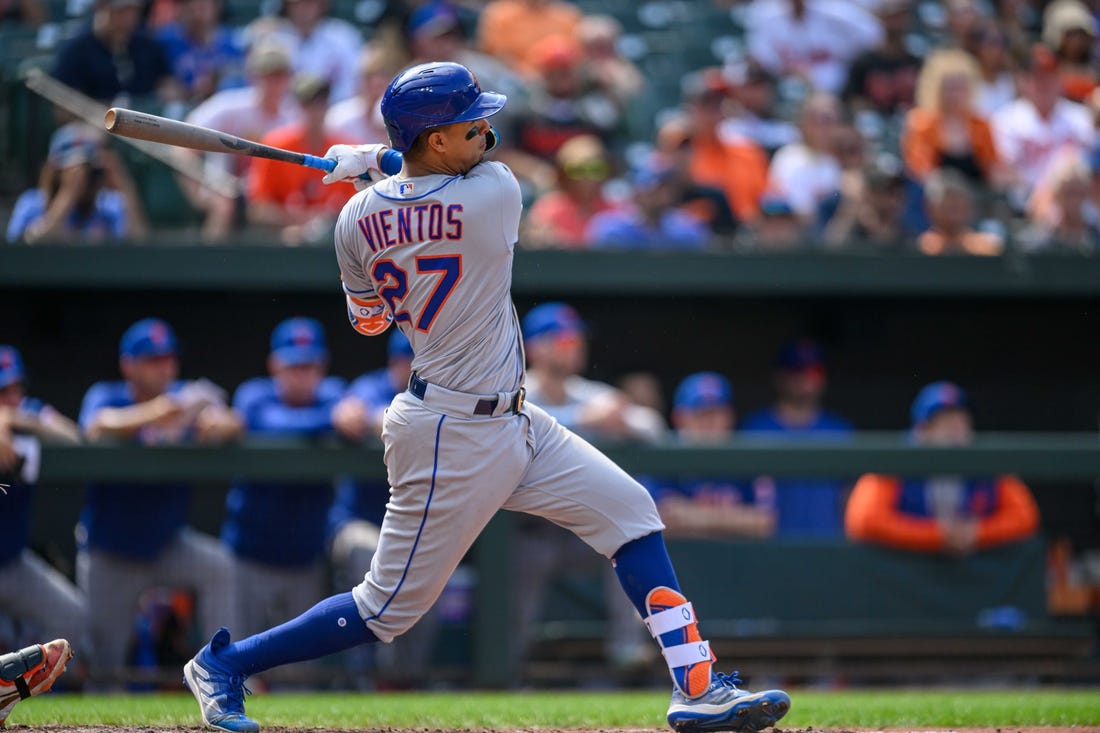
(521, 397)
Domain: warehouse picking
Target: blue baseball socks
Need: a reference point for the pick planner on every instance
(646, 575)
(331, 626)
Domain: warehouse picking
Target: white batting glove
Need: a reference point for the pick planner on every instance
(352, 161)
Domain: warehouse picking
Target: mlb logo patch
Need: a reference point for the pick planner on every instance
(405, 189)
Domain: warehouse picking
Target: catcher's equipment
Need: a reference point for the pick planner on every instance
(431, 95)
(30, 672)
(368, 316)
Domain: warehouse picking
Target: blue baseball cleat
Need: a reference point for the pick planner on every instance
(726, 707)
(220, 692)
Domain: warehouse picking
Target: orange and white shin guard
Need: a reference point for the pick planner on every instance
(672, 623)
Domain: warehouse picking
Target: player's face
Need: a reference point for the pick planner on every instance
(151, 375)
(11, 395)
(464, 144)
(801, 385)
(705, 425)
(297, 384)
(400, 369)
(951, 427)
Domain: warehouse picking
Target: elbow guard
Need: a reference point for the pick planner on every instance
(368, 316)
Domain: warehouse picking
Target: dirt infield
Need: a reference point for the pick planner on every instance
(270, 729)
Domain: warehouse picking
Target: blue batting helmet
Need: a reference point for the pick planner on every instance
(430, 95)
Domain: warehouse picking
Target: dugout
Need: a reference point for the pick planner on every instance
(1018, 333)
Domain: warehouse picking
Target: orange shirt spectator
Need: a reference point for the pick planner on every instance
(945, 514)
(923, 145)
(509, 29)
(730, 162)
(289, 197)
(944, 130)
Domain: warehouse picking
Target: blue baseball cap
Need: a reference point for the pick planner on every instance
(11, 366)
(399, 345)
(148, 337)
(298, 341)
(935, 397)
(702, 390)
(551, 319)
(799, 355)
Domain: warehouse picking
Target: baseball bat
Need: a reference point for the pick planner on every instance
(153, 128)
(91, 112)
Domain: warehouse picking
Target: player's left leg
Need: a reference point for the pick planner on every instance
(574, 485)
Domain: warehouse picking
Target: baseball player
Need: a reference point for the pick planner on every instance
(431, 249)
(30, 588)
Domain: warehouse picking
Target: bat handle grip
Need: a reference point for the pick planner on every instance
(322, 164)
(390, 163)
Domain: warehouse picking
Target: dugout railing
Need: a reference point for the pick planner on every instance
(806, 609)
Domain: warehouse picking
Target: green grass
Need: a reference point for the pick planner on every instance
(841, 709)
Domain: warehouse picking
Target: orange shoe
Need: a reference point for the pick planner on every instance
(29, 672)
(672, 622)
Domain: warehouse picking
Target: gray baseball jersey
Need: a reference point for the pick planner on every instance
(438, 251)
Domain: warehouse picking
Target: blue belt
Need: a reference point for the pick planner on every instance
(484, 406)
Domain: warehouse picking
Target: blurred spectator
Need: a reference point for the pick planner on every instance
(134, 536)
(1061, 216)
(652, 219)
(811, 40)
(276, 531)
(511, 29)
(944, 131)
(358, 120)
(1029, 131)
(355, 518)
(805, 506)
(996, 85)
(435, 32)
(291, 198)
(777, 229)
(754, 116)
(884, 79)
(114, 60)
(32, 591)
(718, 507)
(1069, 30)
(556, 344)
(205, 55)
(320, 45)
(805, 173)
(869, 213)
(560, 217)
(250, 112)
(941, 514)
(84, 194)
(949, 200)
(963, 18)
(29, 13)
(720, 158)
(562, 103)
(612, 73)
(708, 204)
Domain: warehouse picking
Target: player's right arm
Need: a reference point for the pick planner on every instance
(367, 313)
(100, 419)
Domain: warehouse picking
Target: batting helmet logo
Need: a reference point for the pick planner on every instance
(434, 94)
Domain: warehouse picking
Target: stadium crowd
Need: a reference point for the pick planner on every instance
(963, 127)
